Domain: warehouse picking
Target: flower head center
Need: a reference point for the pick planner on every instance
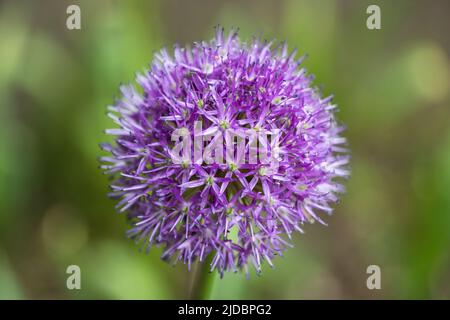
(209, 180)
(262, 171)
(224, 124)
(184, 132)
(232, 166)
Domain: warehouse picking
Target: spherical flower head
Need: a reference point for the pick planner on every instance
(224, 151)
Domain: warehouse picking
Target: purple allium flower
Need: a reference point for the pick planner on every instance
(238, 213)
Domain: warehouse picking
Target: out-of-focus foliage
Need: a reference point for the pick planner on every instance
(392, 86)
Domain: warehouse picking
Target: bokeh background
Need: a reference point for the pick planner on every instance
(393, 89)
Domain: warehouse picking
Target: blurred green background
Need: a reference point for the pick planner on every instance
(392, 86)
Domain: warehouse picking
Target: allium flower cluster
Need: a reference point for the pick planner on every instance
(237, 212)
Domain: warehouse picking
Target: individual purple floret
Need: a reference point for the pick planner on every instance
(237, 212)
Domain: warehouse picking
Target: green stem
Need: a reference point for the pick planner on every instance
(203, 280)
